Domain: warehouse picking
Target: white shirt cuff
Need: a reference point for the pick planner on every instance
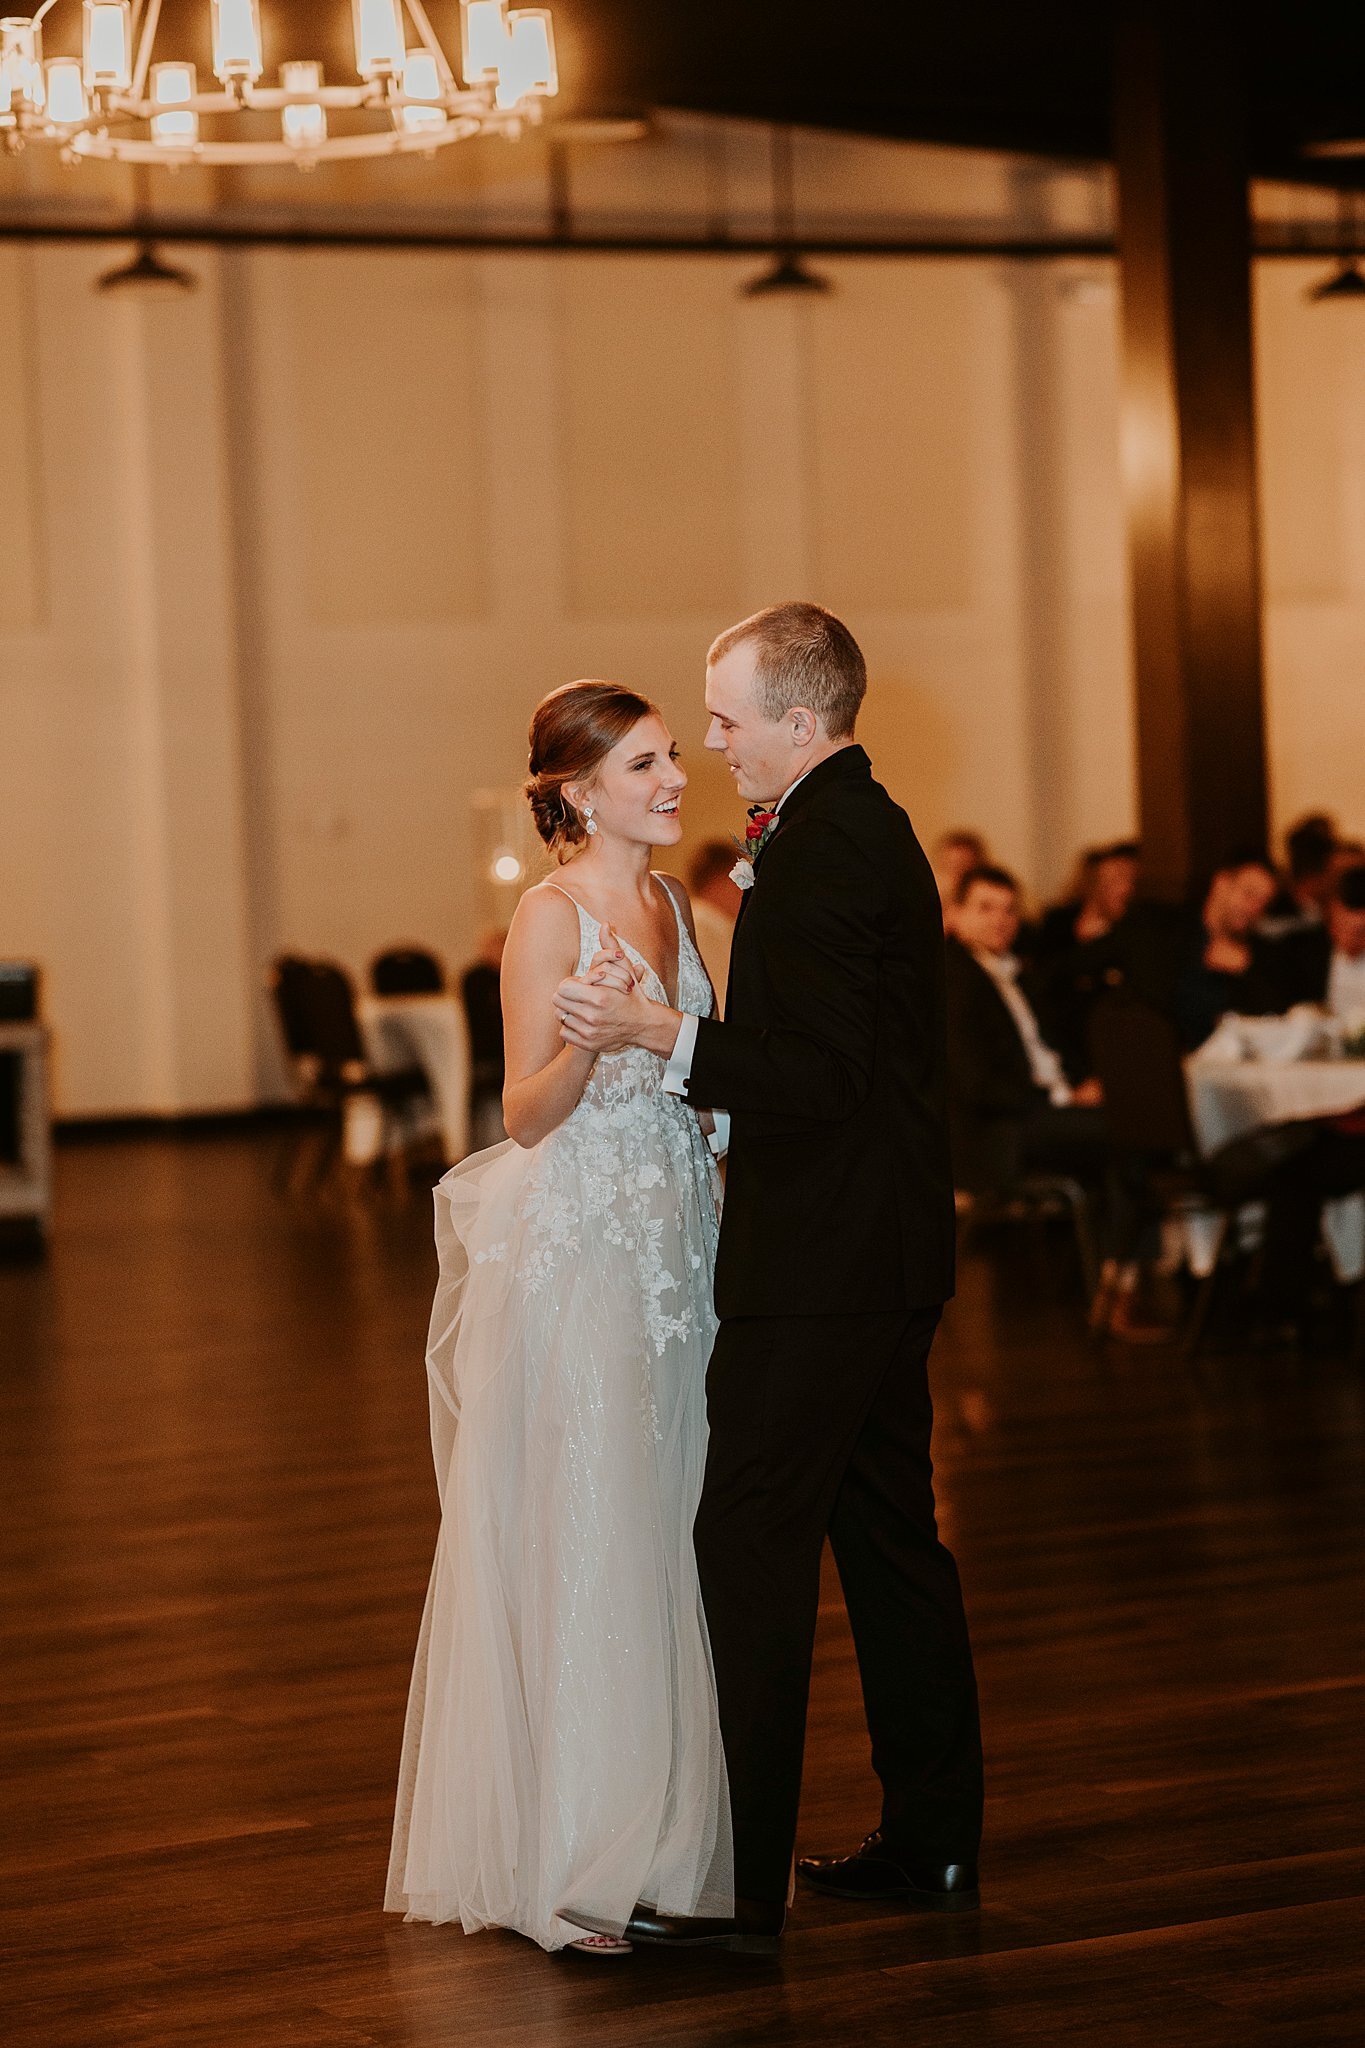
(719, 1139)
(679, 1068)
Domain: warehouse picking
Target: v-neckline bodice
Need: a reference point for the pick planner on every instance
(634, 950)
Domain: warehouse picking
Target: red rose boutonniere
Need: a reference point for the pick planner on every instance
(759, 830)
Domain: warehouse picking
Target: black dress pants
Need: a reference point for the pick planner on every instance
(821, 1425)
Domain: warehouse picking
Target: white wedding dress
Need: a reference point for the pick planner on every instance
(562, 1751)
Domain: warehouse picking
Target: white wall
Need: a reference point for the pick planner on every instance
(1311, 379)
(120, 782)
(284, 566)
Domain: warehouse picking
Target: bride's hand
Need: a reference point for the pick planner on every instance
(602, 1016)
(609, 966)
(602, 1010)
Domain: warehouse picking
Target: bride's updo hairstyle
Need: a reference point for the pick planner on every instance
(572, 732)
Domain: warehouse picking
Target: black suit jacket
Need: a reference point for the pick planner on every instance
(831, 1061)
(990, 1083)
(1301, 963)
(1065, 976)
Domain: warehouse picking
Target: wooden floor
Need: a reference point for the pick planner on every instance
(218, 1517)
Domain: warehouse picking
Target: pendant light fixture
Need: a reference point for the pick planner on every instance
(789, 272)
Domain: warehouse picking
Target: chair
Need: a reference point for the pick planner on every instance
(345, 1068)
(289, 977)
(315, 1005)
(20, 982)
(407, 971)
(1035, 1197)
(25, 1133)
(288, 984)
(1136, 1054)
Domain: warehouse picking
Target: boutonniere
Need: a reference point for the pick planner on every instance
(759, 830)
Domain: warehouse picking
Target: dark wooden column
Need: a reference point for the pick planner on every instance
(1188, 433)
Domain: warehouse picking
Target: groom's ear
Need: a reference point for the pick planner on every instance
(804, 725)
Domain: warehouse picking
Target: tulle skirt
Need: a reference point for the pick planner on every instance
(562, 1751)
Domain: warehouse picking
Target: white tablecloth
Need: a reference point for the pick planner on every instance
(1230, 1097)
(423, 1031)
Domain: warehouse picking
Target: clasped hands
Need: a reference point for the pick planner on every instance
(602, 1009)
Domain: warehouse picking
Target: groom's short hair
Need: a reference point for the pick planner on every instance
(803, 656)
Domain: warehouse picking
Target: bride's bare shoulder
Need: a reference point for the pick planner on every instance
(544, 921)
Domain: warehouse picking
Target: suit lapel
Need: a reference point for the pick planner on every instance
(848, 761)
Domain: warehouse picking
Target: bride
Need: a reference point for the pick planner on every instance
(562, 1752)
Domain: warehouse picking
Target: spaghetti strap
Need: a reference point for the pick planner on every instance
(677, 907)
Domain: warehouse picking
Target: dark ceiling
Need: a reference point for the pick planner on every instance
(1017, 74)
(1003, 73)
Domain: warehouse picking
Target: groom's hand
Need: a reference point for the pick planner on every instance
(598, 1016)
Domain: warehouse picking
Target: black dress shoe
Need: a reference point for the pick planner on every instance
(876, 1870)
(754, 1930)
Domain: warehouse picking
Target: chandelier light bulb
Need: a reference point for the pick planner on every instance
(305, 125)
(533, 50)
(483, 40)
(506, 868)
(528, 67)
(236, 41)
(421, 81)
(107, 46)
(66, 101)
(21, 65)
(172, 86)
(379, 39)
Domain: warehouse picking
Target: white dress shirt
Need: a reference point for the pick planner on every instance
(1044, 1065)
(1346, 985)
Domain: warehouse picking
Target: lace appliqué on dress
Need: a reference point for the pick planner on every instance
(602, 1170)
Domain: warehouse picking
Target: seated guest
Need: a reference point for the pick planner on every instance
(1011, 1103)
(1296, 919)
(1081, 947)
(951, 856)
(1227, 965)
(1012, 1110)
(715, 906)
(1326, 964)
(1108, 885)
(1301, 901)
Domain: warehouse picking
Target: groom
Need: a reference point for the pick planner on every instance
(835, 1258)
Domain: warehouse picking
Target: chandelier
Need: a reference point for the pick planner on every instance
(114, 103)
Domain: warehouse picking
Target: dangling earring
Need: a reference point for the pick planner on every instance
(589, 823)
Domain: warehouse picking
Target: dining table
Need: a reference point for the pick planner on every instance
(1232, 1094)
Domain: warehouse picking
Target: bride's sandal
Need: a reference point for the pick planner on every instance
(602, 1945)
